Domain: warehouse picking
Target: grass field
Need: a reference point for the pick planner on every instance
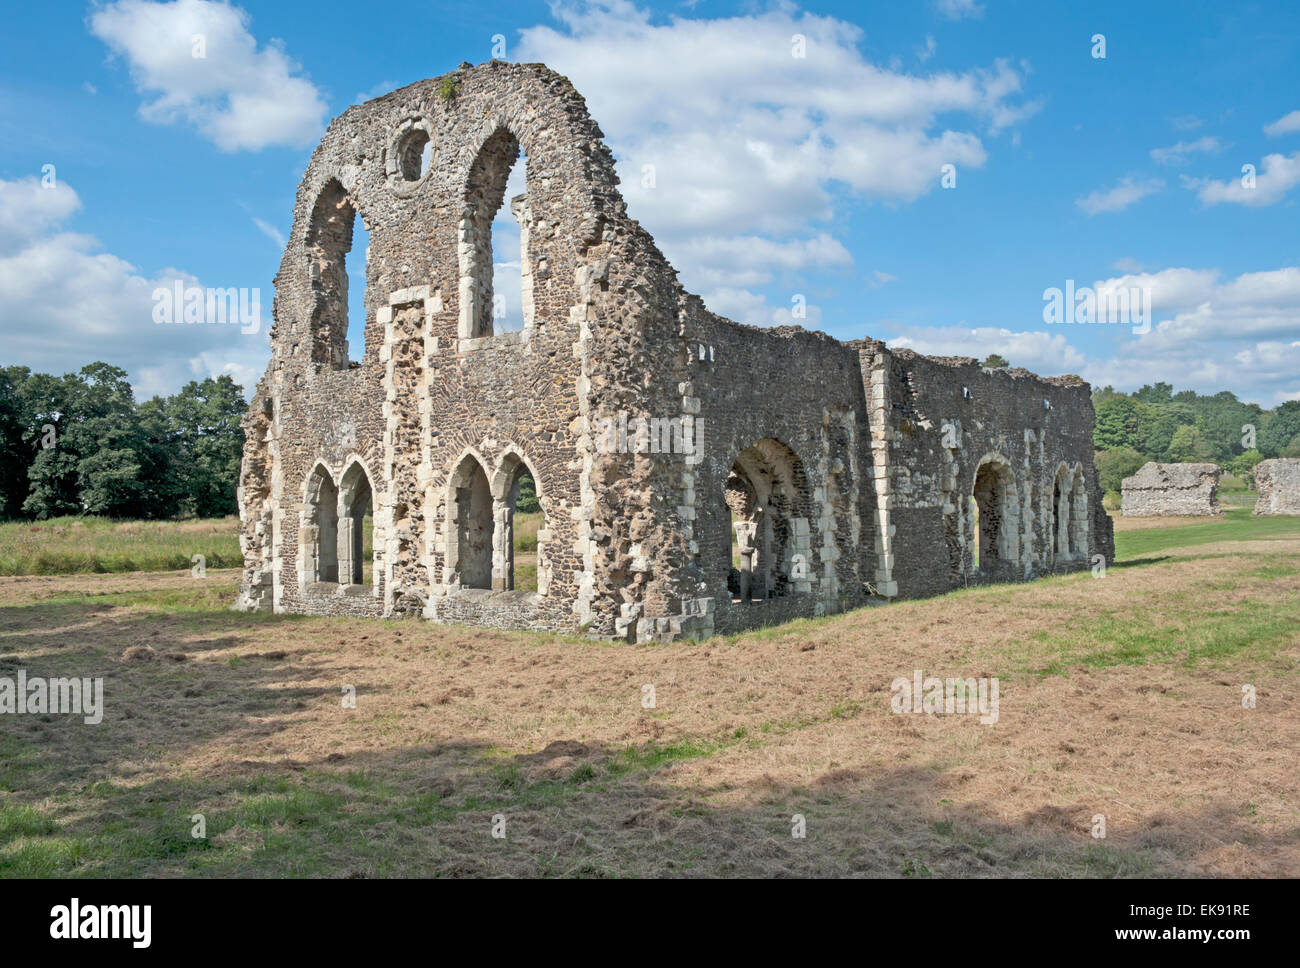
(1142, 536)
(89, 545)
(64, 546)
(1120, 696)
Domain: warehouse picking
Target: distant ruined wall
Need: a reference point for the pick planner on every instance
(1159, 490)
(1278, 482)
(988, 464)
(695, 475)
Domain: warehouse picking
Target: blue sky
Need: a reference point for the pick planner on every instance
(774, 176)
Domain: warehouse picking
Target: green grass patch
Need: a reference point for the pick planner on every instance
(82, 545)
(651, 756)
(20, 820)
(1196, 635)
(1236, 524)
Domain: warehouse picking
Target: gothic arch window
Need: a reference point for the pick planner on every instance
(329, 241)
(996, 533)
(1062, 513)
(510, 490)
(470, 526)
(320, 528)
(1077, 539)
(356, 527)
(496, 285)
(766, 495)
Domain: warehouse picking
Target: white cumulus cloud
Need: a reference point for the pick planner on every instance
(1042, 352)
(198, 62)
(30, 206)
(65, 303)
(1127, 192)
(1257, 189)
(729, 136)
(1211, 333)
(1287, 124)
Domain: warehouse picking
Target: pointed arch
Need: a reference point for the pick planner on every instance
(512, 468)
(484, 196)
(470, 525)
(356, 507)
(1078, 500)
(995, 513)
(1069, 514)
(328, 242)
(318, 529)
(767, 497)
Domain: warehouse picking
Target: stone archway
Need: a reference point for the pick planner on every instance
(329, 240)
(320, 528)
(994, 537)
(1077, 545)
(484, 197)
(511, 472)
(1069, 515)
(470, 526)
(766, 496)
(356, 505)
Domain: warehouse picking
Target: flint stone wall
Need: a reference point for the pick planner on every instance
(1159, 490)
(820, 475)
(1278, 482)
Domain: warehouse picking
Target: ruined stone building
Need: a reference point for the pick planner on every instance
(695, 475)
(1278, 482)
(1157, 490)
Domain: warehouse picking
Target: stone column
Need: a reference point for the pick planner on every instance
(345, 539)
(745, 533)
(503, 546)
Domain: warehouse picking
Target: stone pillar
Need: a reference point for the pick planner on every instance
(745, 534)
(523, 214)
(345, 546)
(503, 547)
(875, 379)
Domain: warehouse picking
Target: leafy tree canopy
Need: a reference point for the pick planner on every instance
(80, 444)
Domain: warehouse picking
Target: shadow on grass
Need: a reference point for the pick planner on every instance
(575, 811)
(1139, 562)
(96, 801)
(108, 800)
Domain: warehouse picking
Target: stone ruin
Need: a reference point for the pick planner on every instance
(1159, 490)
(695, 475)
(1278, 482)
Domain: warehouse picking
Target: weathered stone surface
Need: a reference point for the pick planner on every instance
(696, 474)
(1157, 490)
(1279, 486)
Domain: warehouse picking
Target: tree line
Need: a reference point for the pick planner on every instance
(81, 444)
(1155, 423)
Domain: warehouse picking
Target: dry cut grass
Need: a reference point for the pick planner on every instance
(1119, 697)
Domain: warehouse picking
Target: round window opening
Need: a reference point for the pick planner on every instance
(414, 153)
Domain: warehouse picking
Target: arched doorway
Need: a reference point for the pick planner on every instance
(470, 526)
(518, 503)
(766, 495)
(995, 512)
(320, 527)
(356, 527)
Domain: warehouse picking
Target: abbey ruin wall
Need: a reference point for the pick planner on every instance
(1278, 482)
(1159, 490)
(695, 475)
